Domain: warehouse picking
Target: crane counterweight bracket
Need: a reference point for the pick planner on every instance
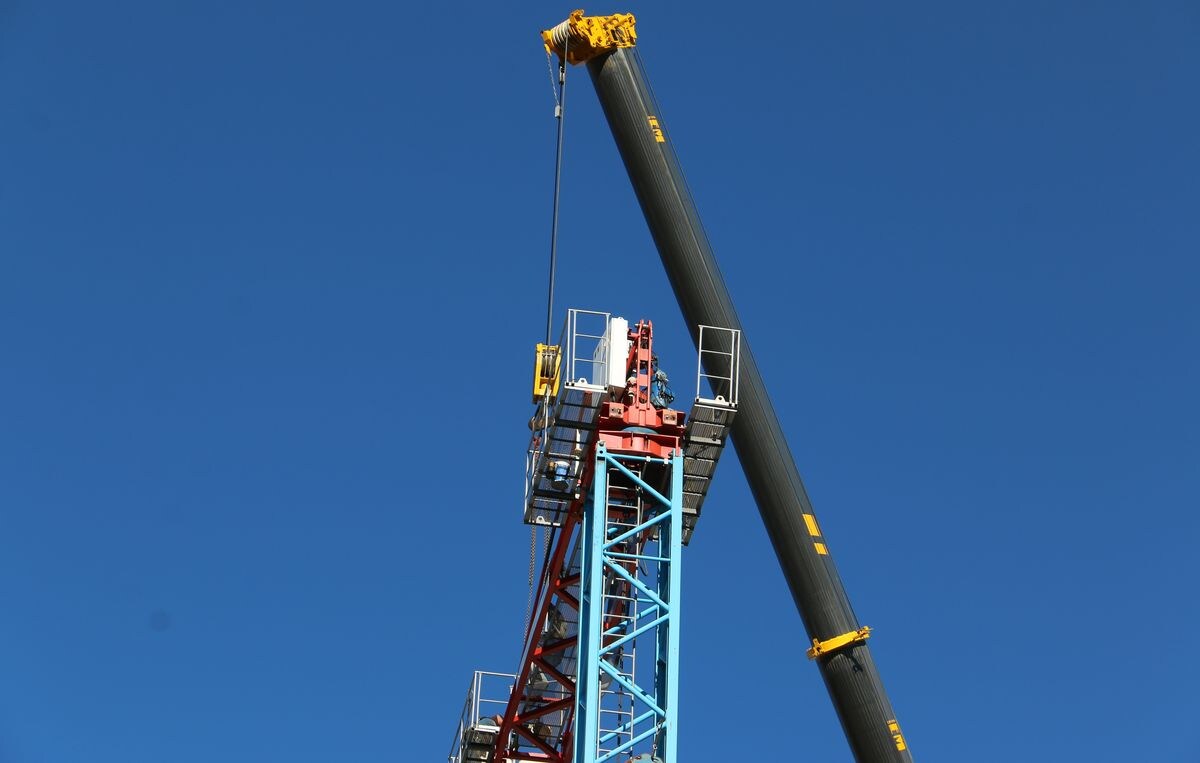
(831, 645)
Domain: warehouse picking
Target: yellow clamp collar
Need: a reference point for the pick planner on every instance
(837, 642)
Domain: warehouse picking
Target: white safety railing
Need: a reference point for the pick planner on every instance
(586, 350)
(562, 427)
(719, 362)
(487, 699)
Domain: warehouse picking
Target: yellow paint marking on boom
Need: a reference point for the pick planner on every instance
(811, 522)
(656, 129)
(897, 737)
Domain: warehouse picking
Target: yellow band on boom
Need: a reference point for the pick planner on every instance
(585, 37)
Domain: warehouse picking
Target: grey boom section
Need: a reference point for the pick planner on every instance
(849, 673)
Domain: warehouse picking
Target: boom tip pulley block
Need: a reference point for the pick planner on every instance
(581, 38)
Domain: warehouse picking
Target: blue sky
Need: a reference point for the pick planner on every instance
(270, 277)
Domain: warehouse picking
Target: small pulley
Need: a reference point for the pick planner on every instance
(547, 369)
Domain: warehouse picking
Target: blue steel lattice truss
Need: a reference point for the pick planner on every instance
(627, 683)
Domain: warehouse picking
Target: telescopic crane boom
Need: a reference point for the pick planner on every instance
(836, 640)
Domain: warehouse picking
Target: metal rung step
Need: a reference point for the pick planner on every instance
(482, 735)
(479, 742)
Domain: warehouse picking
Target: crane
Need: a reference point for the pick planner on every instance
(618, 477)
(740, 408)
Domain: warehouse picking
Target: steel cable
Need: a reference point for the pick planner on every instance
(559, 103)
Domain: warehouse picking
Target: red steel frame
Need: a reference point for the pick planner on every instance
(513, 721)
(631, 425)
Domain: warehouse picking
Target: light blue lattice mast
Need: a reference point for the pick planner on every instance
(627, 677)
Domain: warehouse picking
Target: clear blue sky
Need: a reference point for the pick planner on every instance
(270, 276)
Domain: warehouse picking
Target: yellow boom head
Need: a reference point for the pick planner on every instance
(585, 37)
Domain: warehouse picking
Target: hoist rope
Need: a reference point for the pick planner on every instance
(560, 97)
(560, 103)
